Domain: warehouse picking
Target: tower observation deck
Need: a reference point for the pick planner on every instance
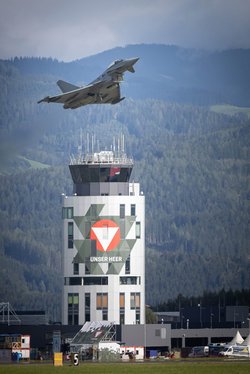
(104, 242)
(101, 173)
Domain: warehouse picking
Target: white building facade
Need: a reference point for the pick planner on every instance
(104, 243)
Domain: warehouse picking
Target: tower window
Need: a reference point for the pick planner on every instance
(132, 210)
(87, 269)
(127, 265)
(75, 281)
(122, 300)
(135, 300)
(104, 314)
(138, 317)
(122, 210)
(138, 230)
(73, 308)
(135, 303)
(68, 213)
(87, 307)
(101, 301)
(129, 280)
(122, 317)
(102, 304)
(75, 268)
(90, 281)
(122, 308)
(70, 235)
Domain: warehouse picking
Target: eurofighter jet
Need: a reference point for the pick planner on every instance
(103, 90)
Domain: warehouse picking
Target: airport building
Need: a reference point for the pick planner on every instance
(103, 242)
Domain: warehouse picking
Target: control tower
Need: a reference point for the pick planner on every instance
(103, 242)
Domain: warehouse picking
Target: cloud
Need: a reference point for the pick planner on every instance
(69, 30)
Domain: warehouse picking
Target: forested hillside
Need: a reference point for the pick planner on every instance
(192, 163)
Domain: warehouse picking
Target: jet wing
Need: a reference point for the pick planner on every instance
(97, 93)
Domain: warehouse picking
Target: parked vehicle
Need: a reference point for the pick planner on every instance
(200, 351)
(216, 348)
(236, 351)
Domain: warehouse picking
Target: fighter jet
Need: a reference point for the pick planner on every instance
(103, 90)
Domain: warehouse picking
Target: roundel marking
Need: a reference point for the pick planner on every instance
(106, 233)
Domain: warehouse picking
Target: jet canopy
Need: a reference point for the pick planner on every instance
(114, 63)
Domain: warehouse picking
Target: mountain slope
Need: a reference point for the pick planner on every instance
(192, 163)
(193, 166)
(163, 72)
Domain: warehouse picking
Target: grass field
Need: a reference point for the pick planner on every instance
(170, 367)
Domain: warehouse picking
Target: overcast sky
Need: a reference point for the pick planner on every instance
(72, 29)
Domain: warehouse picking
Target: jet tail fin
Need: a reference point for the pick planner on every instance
(66, 87)
(45, 100)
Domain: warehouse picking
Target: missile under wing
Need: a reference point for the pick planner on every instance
(103, 90)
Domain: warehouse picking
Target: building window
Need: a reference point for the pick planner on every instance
(122, 308)
(75, 268)
(138, 230)
(132, 210)
(135, 303)
(129, 280)
(87, 270)
(70, 235)
(135, 300)
(102, 304)
(101, 301)
(122, 317)
(122, 211)
(132, 300)
(87, 307)
(75, 281)
(90, 281)
(105, 314)
(73, 308)
(138, 317)
(127, 265)
(68, 213)
(122, 300)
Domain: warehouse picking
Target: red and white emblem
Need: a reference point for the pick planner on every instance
(107, 235)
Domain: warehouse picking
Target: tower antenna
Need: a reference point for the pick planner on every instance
(87, 143)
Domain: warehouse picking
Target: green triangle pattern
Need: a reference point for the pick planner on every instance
(85, 246)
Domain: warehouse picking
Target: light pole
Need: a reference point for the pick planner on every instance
(183, 343)
(145, 340)
(182, 319)
(211, 320)
(187, 323)
(235, 314)
(199, 305)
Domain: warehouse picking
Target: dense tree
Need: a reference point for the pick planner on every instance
(193, 166)
(222, 298)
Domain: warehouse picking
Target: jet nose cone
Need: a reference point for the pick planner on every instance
(130, 64)
(134, 60)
